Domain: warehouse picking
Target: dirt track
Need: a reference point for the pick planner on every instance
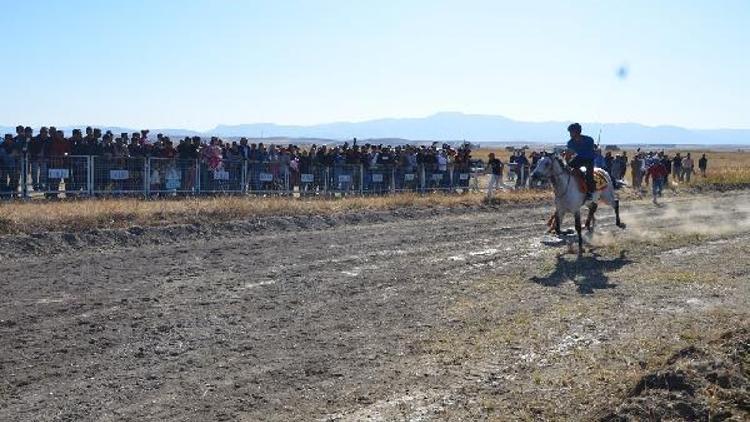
(418, 315)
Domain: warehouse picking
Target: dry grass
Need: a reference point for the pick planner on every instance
(38, 216)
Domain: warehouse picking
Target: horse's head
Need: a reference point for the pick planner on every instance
(544, 168)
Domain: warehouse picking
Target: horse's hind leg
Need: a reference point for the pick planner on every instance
(591, 219)
(616, 206)
(551, 223)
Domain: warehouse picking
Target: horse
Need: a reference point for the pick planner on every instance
(570, 195)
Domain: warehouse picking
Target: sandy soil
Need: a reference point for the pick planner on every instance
(401, 315)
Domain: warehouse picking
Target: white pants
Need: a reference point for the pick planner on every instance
(495, 181)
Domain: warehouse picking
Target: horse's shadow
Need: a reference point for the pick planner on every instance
(587, 272)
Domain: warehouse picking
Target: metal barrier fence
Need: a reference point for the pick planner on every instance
(309, 180)
(345, 179)
(119, 176)
(518, 174)
(67, 176)
(173, 176)
(227, 177)
(77, 176)
(266, 177)
(11, 169)
(407, 179)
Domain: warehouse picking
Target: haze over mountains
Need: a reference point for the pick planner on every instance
(470, 127)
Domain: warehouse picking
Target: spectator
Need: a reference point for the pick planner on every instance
(657, 169)
(37, 154)
(522, 167)
(677, 168)
(637, 169)
(687, 168)
(495, 167)
(703, 165)
(617, 168)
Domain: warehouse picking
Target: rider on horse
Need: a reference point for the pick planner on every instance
(583, 146)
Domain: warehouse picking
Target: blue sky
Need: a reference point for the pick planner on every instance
(195, 64)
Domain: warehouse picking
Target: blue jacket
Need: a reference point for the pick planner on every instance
(584, 148)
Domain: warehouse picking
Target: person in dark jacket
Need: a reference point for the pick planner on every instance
(583, 146)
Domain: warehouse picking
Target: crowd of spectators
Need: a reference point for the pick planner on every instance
(658, 167)
(290, 162)
(287, 161)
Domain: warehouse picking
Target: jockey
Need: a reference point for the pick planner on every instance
(583, 147)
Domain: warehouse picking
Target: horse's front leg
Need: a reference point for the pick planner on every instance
(578, 231)
(590, 219)
(558, 221)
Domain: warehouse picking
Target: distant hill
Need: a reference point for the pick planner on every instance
(470, 127)
(487, 128)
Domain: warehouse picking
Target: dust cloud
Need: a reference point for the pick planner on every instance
(710, 216)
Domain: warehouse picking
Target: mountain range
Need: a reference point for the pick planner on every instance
(453, 126)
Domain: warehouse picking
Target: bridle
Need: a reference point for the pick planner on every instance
(558, 175)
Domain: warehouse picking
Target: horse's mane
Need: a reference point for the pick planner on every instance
(562, 162)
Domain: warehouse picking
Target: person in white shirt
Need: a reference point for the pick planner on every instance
(687, 167)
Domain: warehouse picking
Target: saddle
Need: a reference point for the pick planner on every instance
(599, 180)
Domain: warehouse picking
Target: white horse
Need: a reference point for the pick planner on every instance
(570, 197)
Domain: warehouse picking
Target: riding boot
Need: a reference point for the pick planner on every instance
(590, 185)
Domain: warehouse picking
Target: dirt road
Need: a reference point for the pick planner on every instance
(439, 314)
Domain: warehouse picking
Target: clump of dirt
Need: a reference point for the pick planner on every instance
(697, 384)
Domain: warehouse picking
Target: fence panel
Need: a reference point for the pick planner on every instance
(345, 179)
(461, 177)
(407, 179)
(52, 176)
(119, 176)
(378, 179)
(71, 176)
(172, 176)
(229, 177)
(436, 178)
(309, 180)
(518, 174)
(11, 175)
(267, 177)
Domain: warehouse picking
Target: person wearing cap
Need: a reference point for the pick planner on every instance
(37, 154)
(583, 146)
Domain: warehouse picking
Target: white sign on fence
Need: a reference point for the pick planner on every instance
(119, 174)
(221, 175)
(437, 177)
(265, 177)
(463, 176)
(173, 183)
(58, 173)
(408, 177)
(377, 178)
(345, 178)
(307, 178)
